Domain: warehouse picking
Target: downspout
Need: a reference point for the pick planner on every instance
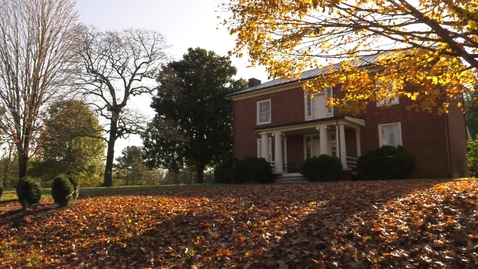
(337, 138)
(447, 140)
(233, 128)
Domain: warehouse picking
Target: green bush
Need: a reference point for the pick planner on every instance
(385, 163)
(247, 170)
(62, 191)
(322, 168)
(472, 157)
(253, 169)
(226, 172)
(76, 185)
(28, 192)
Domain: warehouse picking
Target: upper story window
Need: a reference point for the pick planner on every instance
(308, 107)
(394, 101)
(264, 112)
(329, 93)
(390, 134)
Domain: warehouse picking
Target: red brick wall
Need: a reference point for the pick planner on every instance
(457, 138)
(295, 152)
(423, 133)
(350, 143)
(286, 106)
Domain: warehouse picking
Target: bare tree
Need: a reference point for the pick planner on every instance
(118, 66)
(37, 62)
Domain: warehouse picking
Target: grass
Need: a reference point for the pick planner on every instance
(10, 194)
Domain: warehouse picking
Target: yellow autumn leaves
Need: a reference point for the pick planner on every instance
(430, 44)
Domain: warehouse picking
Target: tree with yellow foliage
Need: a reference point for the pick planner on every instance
(431, 44)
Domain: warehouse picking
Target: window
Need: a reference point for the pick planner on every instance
(333, 145)
(308, 147)
(329, 109)
(259, 148)
(390, 134)
(387, 101)
(264, 112)
(308, 107)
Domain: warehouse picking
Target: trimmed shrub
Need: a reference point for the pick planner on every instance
(385, 163)
(76, 185)
(253, 169)
(226, 172)
(472, 157)
(62, 191)
(28, 192)
(322, 168)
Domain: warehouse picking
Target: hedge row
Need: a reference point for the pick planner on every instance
(247, 170)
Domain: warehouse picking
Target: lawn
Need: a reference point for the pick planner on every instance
(399, 224)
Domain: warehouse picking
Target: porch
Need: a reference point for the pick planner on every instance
(286, 147)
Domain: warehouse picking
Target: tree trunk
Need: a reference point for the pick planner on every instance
(22, 164)
(110, 154)
(200, 174)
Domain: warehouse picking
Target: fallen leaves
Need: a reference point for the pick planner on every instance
(405, 224)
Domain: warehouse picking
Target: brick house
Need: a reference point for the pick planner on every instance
(275, 120)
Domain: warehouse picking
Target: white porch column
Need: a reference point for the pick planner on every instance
(343, 151)
(265, 146)
(278, 152)
(357, 139)
(284, 139)
(324, 142)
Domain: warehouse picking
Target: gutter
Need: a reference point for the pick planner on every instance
(447, 140)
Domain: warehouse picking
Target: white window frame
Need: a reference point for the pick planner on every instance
(329, 111)
(259, 111)
(380, 131)
(259, 148)
(308, 100)
(395, 101)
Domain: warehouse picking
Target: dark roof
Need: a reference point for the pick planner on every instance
(309, 74)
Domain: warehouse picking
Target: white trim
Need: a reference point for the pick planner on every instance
(350, 121)
(312, 137)
(307, 101)
(258, 111)
(342, 145)
(278, 160)
(400, 143)
(284, 141)
(272, 89)
(259, 148)
(395, 101)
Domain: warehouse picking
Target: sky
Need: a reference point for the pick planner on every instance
(184, 24)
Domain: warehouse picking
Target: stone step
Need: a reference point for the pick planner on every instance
(290, 180)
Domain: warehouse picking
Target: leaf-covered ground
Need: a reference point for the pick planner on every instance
(399, 224)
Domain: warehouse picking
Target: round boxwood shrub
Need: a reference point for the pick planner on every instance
(385, 163)
(322, 168)
(76, 185)
(62, 191)
(28, 192)
(226, 172)
(253, 169)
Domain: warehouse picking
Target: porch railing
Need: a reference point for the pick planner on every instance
(273, 165)
(352, 162)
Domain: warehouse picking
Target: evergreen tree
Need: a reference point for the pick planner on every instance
(192, 127)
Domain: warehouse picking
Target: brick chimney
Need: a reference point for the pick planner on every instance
(254, 82)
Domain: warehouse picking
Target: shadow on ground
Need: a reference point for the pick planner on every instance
(323, 225)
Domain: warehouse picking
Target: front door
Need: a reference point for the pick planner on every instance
(311, 146)
(315, 147)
